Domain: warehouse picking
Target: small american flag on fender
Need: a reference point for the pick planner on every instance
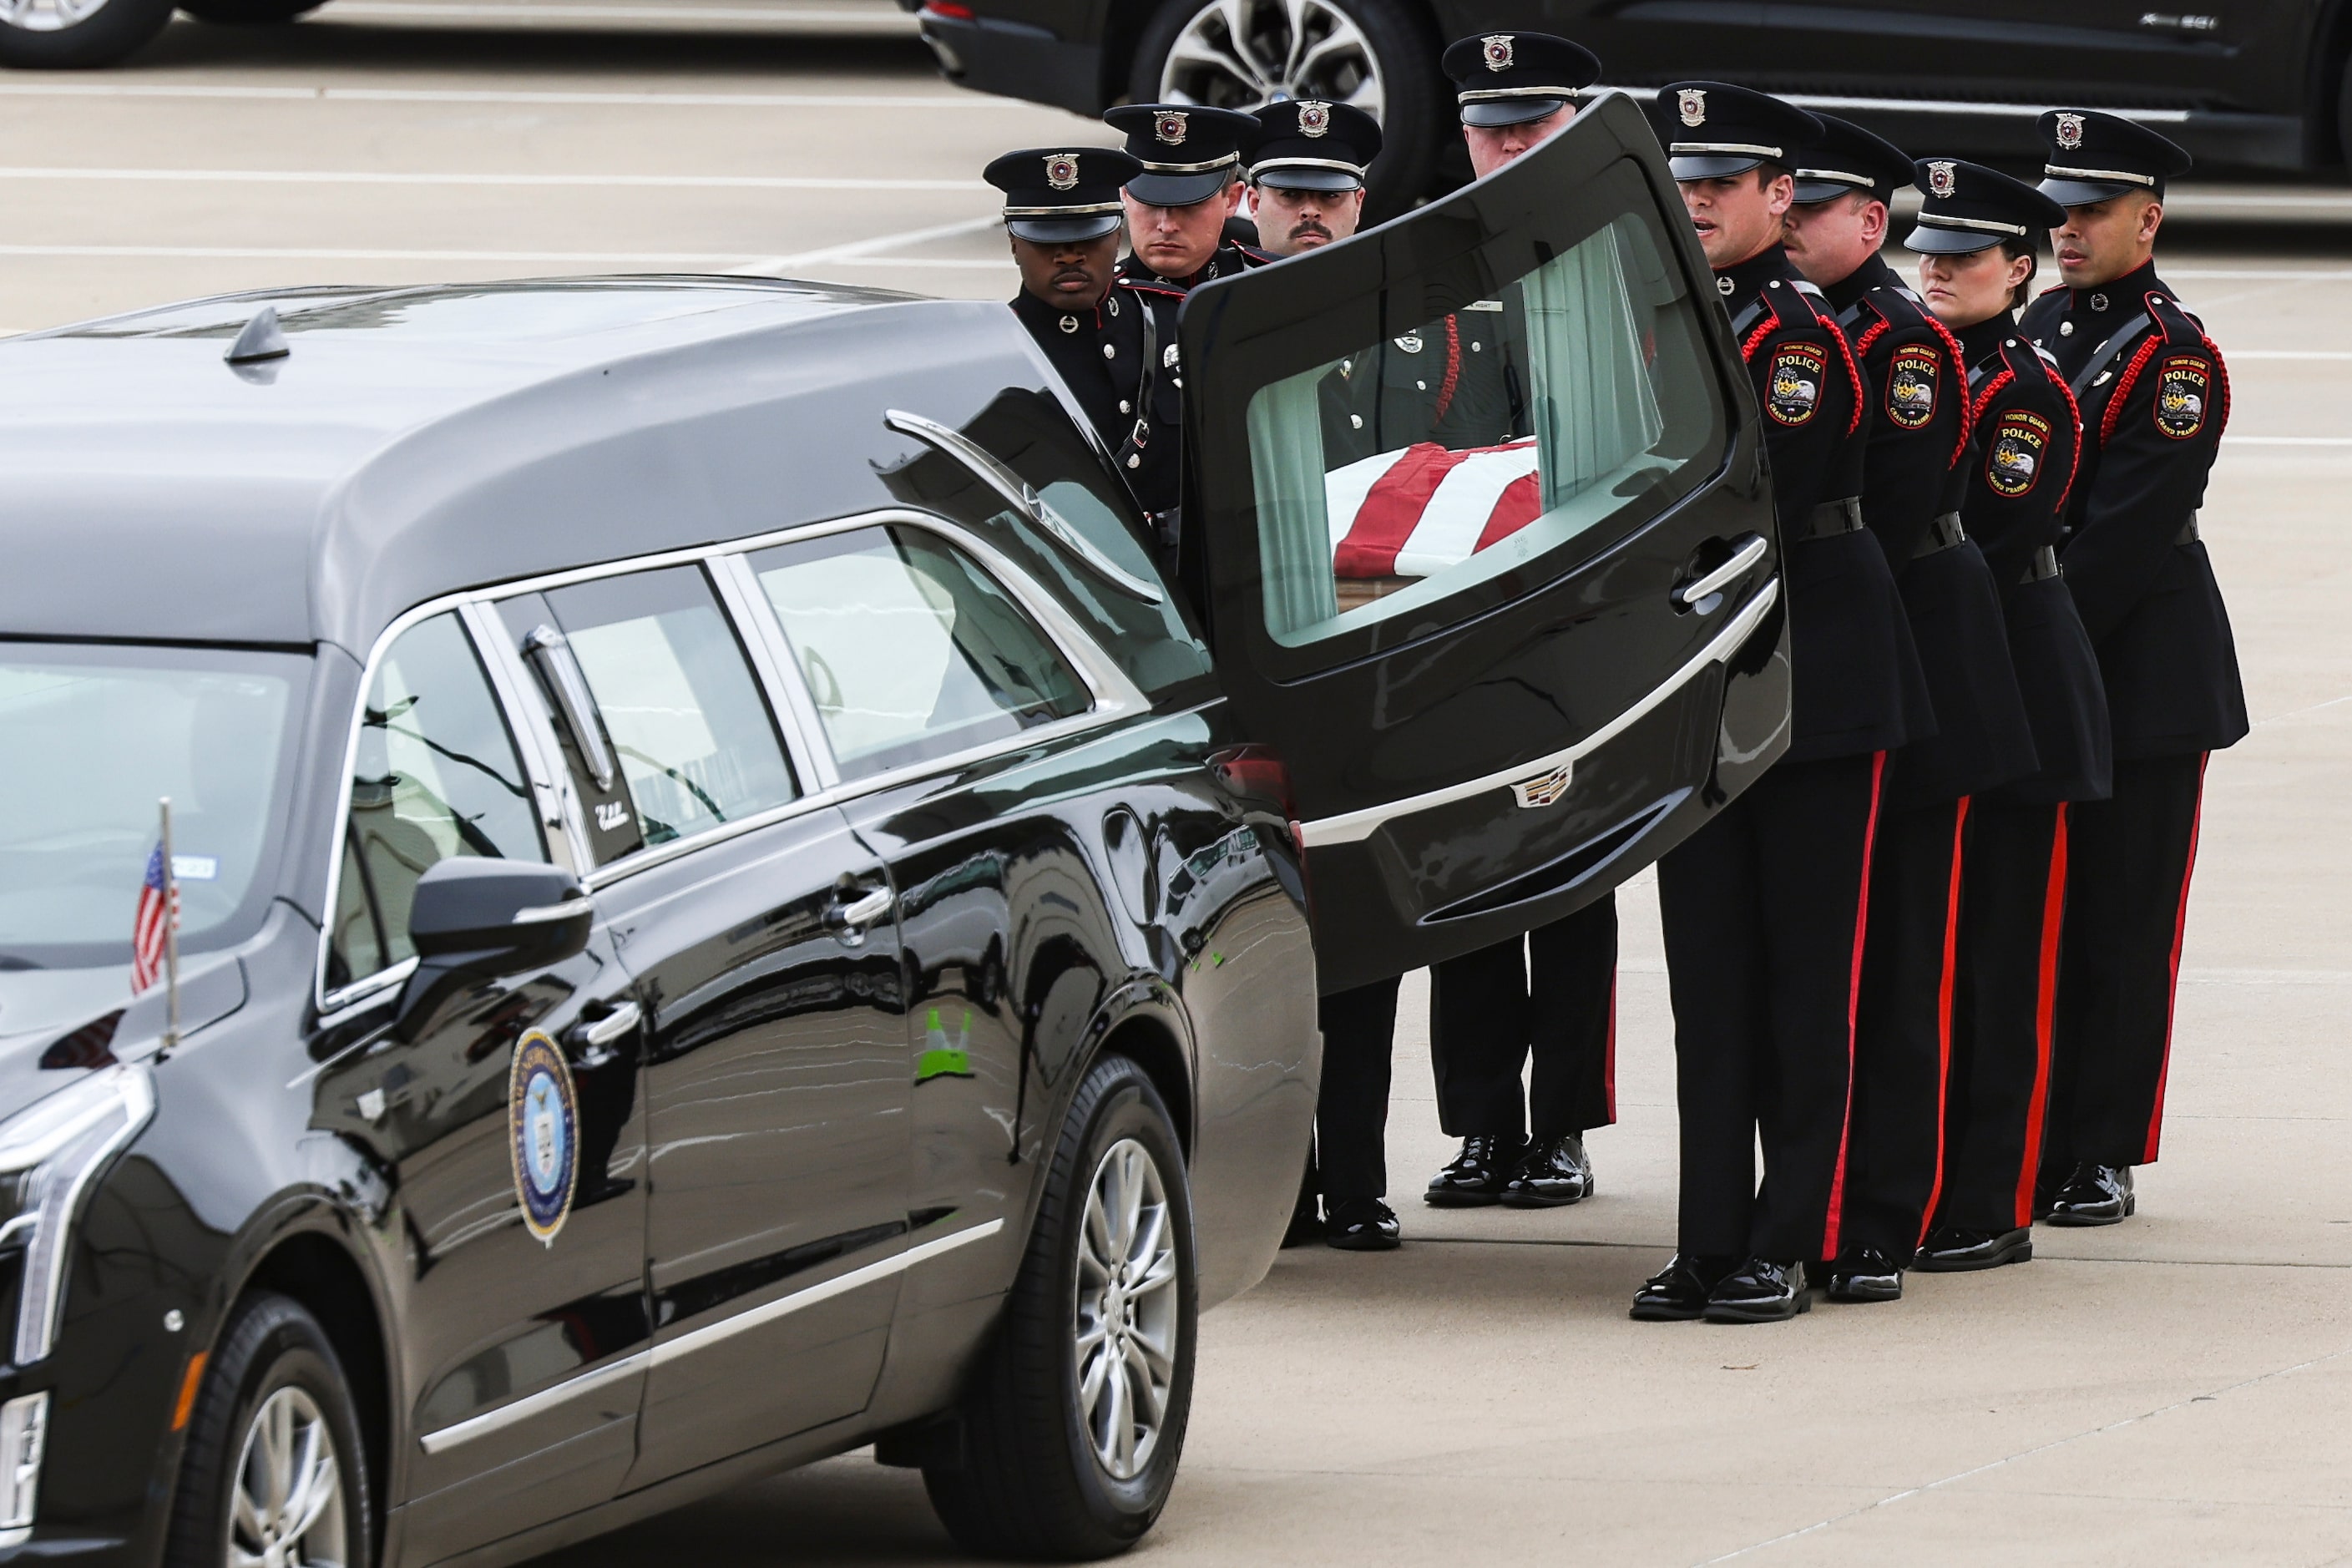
(150, 926)
(1414, 513)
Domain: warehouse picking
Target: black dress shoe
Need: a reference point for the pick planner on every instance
(1478, 1175)
(1678, 1293)
(1759, 1291)
(1555, 1172)
(2094, 1194)
(1306, 1226)
(1866, 1274)
(1951, 1249)
(1361, 1224)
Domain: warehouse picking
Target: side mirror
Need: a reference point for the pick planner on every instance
(474, 920)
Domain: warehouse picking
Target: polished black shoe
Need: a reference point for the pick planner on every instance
(1361, 1224)
(1678, 1293)
(1305, 1224)
(1554, 1173)
(1759, 1291)
(2094, 1194)
(1478, 1175)
(1866, 1274)
(1951, 1249)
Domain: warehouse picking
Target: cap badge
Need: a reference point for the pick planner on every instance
(2070, 132)
(1314, 118)
(1499, 51)
(1941, 182)
(1062, 171)
(1693, 104)
(1169, 126)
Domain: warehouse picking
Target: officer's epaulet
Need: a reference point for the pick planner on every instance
(1150, 286)
(2180, 330)
(1255, 254)
(2053, 288)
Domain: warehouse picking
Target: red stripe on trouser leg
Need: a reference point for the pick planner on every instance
(1944, 1014)
(1608, 1053)
(2045, 1013)
(1853, 1009)
(2172, 992)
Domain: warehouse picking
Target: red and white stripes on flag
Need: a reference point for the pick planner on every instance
(1414, 513)
(150, 925)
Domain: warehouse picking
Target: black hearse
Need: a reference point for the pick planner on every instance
(729, 913)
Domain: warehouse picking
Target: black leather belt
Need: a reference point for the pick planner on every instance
(1942, 534)
(2188, 534)
(1833, 518)
(2043, 566)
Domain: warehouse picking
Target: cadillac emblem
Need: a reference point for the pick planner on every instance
(1314, 118)
(1941, 185)
(1693, 104)
(1499, 51)
(1169, 126)
(1062, 171)
(2070, 132)
(1544, 789)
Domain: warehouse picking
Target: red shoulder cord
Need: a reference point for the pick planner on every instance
(2074, 412)
(1445, 388)
(1961, 368)
(2123, 388)
(1992, 390)
(1860, 387)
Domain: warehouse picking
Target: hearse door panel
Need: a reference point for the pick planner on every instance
(1481, 506)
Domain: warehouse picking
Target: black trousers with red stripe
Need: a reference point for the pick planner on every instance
(2013, 906)
(2128, 867)
(1903, 1035)
(1551, 996)
(1764, 910)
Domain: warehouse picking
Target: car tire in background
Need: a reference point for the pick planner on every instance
(68, 35)
(273, 1420)
(1378, 55)
(1099, 1327)
(248, 13)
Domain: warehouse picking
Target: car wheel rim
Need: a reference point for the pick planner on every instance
(1242, 53)
(1126, 1320)
(48, 16)
(287, 1510)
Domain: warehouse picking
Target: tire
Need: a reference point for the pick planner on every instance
(1028, 1480)
(75, 35)
(1401, 52)
(272, 1375)
(249, 13)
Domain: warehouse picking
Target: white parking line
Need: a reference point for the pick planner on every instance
(861, 249)
(387, 177)
(2287, 440)
(698, 260)
(429, 10)
(2239, 356)
(946, 98)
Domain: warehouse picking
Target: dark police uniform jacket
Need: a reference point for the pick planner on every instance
(2018, 474)
(1157, 476)
(1856, 678)
(1460, 381)
(2154, 396)
(1110, 357)
(1912, 482)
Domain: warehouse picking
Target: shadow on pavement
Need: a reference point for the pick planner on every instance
(513, 55)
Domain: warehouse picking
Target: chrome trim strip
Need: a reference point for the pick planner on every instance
(532, 1404)
(771, 657)
(1355, 825)
(563, 827)
(355, 999)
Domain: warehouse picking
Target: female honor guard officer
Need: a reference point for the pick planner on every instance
(1764, 907)
(2153, 395)
(1977, 235)
(1912, 480)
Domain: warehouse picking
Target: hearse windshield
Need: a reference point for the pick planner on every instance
(90, 737)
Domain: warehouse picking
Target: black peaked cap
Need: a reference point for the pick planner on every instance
(1847, 158)
(2094, 157)
(1714, 130)
(1056, 196)
(1307, 144)
(1508, 78)
(1968, 207)
(1189, 153)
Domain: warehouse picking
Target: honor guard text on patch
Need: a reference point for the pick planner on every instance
(2183, 387)
(1911, 386)
(544, 1134)
(2013, 459)
(1793, 394)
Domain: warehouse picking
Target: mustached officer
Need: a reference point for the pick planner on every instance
(1913, 478)
(1763, 906)
(1305, 171)
(2153, 395)
(1978, 237)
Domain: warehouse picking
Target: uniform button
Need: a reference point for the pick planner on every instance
(1133, 461)
(1354, 421)
(1475, 345)
(1420, 386)
(1069, 323)
(2065, 329)
(1111, 304)
(1123, 408)
(1110, 351)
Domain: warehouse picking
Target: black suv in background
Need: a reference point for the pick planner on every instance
(2255, 85)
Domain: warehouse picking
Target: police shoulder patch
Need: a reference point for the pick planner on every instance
(2013, 458)
(1793, 389)
(2184, 391)
(1911, 381)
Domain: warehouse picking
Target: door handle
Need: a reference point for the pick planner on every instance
(851, 918)
(596, 1034)
(1744, 554)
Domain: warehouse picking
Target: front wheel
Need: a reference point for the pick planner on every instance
(75, 34)
(1074, 1418)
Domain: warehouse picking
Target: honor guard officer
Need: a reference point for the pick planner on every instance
(2153, 395)
(1062, 216)
(1978, 235)
(1763, 906)
(1306, 166)
(1187, 185)
(1913, 478)
(1545, 1002)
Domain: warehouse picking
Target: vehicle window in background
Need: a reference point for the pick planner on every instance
(909, 649)
(1568, 406)
(435, 774)
(696, 742)
(90, 737)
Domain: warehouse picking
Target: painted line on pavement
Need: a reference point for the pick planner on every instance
(946, 99)
(858, 250)
(2239, 356)
(2287, 440)
(299, 253)
(429, 10)
(390, 177)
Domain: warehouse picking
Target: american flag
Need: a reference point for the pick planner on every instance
(1416, 512)
(150, 927)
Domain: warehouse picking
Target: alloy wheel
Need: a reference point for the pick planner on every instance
(1242, 53)
(48, 15)
(1125, 1314)
(287, 1510)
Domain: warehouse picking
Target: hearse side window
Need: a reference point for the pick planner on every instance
(909, 649)
(435, 774)
(1544, 421)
